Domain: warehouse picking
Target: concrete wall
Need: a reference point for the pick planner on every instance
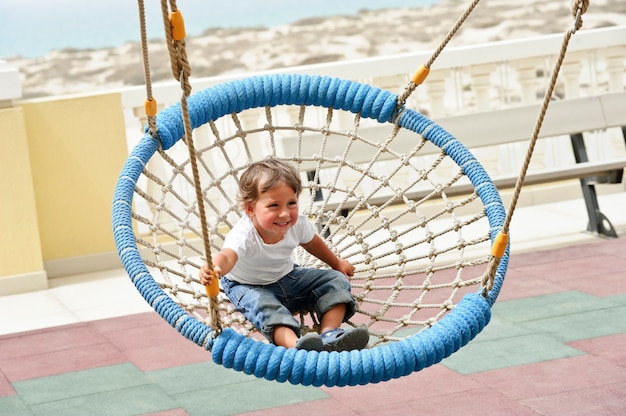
(59, 162)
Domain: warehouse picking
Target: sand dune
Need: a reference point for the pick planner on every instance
(366, 34)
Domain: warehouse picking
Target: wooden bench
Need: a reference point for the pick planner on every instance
(570, 117)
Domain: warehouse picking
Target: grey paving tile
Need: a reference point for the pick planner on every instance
(548, 306)
(79, 383)
(499, 328)
(130, 401)
(619, 298)
(583, 325)
(507, 352)
(202, 376)
(13, 406)
(253, 395)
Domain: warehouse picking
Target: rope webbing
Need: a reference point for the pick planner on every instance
(578, 7)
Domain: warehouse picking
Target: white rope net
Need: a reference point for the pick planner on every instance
(385, 199)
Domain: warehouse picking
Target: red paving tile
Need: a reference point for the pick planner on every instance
(518, 284)
(598, 401)
(589, 384)
(565, 270)
(483, 402)
(5, 387)
(432, 381)
(60, 362)
(127, 322)
(48, 340)
(156, 346)
(166, 356)
(611, 348)
(326, 407)
(173, 412)
(552, 377)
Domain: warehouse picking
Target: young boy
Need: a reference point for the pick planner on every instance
(257, 270)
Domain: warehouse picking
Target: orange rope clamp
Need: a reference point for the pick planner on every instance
(213, 289)
(150, 107)
(178, 25)
(499, 244)
(420, 75)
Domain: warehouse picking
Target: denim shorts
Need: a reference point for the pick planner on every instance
(301, 289)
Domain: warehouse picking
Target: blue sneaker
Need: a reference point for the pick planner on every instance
(345, 340)
(310, 342)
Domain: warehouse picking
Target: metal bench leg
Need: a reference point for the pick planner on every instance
(318, 197)
(598, 222)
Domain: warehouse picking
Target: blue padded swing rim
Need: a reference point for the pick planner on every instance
(233, 350)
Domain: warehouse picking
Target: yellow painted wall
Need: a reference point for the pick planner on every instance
(77, 149)
(20, 249)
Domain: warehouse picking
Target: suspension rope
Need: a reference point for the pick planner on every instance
(578, 8)
(175, 35)
(423, 71)
(150, 104)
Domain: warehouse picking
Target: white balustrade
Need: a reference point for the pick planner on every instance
(468, 79)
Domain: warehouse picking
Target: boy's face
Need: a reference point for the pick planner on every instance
(274, 213)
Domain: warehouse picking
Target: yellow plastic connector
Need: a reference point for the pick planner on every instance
(499, 244)
(150, 107)
(420, 75)
(177, 23)
(213, 289)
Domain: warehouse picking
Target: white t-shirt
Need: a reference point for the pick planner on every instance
(259, 263)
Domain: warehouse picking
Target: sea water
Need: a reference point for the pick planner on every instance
(31, 28)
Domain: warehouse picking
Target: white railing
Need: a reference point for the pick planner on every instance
(463, 79)
(471, 80)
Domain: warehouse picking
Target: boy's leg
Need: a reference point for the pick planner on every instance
(334, 317)
(262, 308)
(321, 289)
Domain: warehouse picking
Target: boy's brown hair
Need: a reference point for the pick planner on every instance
(266, 174)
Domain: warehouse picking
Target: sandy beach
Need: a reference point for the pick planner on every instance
(310, 41)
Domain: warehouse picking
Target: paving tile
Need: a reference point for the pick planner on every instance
(618, 298)
(202, 376)
(507, 352)
(80, 383)
(127, 401)
(127, 322)
(499, 328)
(596, 401)
(49, 312)
(255, 395)
(481, 401)
(60, 362)
(13, 406)
(152, 347)
(326, 407)
(577, 326)
(520, 284)
(547, 306)
(48, 340)
(174, 354)
(580, 267)
(430, 382)
(172, 412)
(558, 254)
(611, 348)
(5, 386)
(552, 377)
(606, 284)
(203, 386)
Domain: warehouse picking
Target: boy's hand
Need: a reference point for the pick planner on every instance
(207, 275)
(345, 267)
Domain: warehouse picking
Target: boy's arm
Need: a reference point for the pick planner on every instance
(223, 263)
(319, 249)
